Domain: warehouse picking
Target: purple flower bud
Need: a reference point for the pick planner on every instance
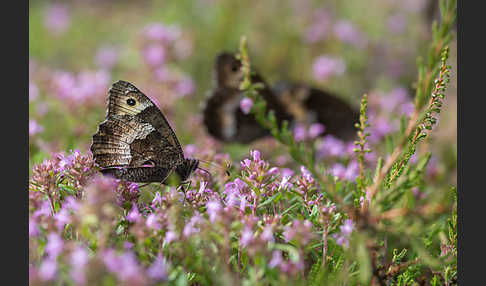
(213, 209)
(347, 227)
(306, 174)
(267, 234)
(276, 260)
(315, 130)
(157, 199)
(154, 55)
(246, 236)
(160, 32)
(79, 260)
(256, 155)
(325, 67)
(57, 18)
(245, 163)
(111, 260)
(170, 236)
(152, 222)
(246, 104)
(34, 127)
(319, 29)
(48, 269)
(184, 87)
(54, 245)
(159, 269)
(134, 215)
(347, 33)
(243, 204)
(397, 23)
(240, 185)
(300, 132)
(331, 146)
(284, 184)
(33, 227)
(62, 218)
(352, 171)
(286, 172)
(272, 171)
(106, 57)
(129, 270)
(33, 91)
(191, 228)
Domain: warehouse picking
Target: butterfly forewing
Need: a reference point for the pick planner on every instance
(135, 142)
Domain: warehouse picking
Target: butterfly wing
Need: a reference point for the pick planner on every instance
(135, 140)
(309, 105)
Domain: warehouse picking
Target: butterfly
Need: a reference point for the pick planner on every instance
(295, 102)
(221, 112)
(135, 141)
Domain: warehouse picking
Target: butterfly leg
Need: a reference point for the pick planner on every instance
(184, 190)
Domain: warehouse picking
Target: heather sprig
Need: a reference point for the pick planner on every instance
(362, 149)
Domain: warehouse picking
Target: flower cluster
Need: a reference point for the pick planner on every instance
(75, 208)
(161, 45)
(82, 89)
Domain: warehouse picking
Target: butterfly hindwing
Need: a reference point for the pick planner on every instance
(139, 174)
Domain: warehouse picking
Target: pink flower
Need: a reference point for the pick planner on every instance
(185, 86)
(57, 18)
(134, 215)
(246, 104)
(213, 210)
(160, 32)
(325, 67)
(342, 238)
(33, 91)
(267, 234)
(62, 218)
(48, 269)
(54, 245)
(347, 33)
(33, 228)
(154, 55)
(79, 260)
(397, 23)
(170, 236)
(315, 130)
(34, 127)
(159, 269)
(106, 57)
(319, 29)
(300, 132)
(277, 259)
(152, 222)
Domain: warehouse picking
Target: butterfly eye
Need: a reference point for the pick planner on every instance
(131, 101)
(235, 68)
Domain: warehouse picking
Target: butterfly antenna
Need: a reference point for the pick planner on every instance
(205, 171)
(217, 166)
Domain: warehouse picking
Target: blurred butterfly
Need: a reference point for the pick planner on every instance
(297, 103)
(135, 142)
(223, 117)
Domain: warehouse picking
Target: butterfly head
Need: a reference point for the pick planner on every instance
(186, 168)
(227, 71)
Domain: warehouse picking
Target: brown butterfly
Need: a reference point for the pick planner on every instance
(297, 103)
(135, 142)
(222, 114)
